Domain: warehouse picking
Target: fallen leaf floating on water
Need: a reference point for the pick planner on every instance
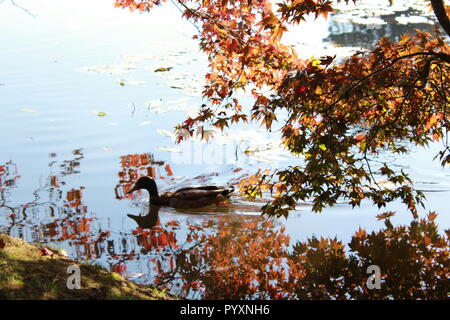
(163, 69)
(28, 110)
(144, 123)
(107, 148)
(98, 113)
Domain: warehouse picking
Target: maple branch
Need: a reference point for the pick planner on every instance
(439, 55)
(371, 172)
(208, 17)
(441, 14)
(196, 27)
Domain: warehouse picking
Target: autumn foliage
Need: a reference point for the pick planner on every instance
(245, 257)
(340, 115)
(253, 260)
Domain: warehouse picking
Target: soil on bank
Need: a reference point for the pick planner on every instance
(32, 272)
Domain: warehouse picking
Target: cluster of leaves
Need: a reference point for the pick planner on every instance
(252, 259)
(414, 264)
(339, 115)
(375, 102)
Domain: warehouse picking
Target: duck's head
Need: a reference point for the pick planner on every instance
(147, 184)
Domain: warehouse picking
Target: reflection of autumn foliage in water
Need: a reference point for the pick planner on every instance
(247, 259)
(159, 245)
(414, 264)
(9, 176)
(230, 257)
(134, 166)
(157, 238)
(57, 214)
(54, 214)
(252, 259)
(154, 241)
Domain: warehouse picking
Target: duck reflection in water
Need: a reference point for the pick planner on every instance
(148, 221)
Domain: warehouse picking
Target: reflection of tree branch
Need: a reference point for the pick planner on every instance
(20, 7)
(179, 273)
(13, 216)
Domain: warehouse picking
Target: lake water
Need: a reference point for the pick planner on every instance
(83, 113)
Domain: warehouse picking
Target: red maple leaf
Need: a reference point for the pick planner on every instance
(46, 252)
(2, 244)
(300, 90)
(120, 268)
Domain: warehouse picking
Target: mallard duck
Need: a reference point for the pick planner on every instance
(185, 198)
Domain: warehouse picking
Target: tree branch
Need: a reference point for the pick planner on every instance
(440, 55)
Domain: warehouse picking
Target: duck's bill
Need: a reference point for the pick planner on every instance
(131, 190)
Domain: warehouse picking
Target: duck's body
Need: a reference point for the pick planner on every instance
(189, 198)
(185, 198)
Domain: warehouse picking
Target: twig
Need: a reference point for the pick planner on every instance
(440, 55)
(22, 8)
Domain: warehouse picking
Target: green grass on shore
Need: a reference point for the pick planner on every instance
(27, 274)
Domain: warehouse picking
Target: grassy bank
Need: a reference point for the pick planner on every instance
(32, 272)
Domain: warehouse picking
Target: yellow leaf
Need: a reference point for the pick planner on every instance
(319, 90)
(163, 69)
(315, 62)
